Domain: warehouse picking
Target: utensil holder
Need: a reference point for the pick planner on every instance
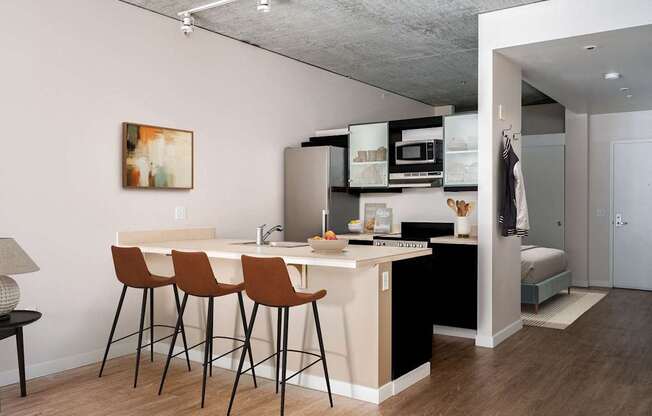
(462, 227)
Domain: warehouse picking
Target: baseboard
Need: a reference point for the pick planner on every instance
(451, 331)
(407, 380)
(315, 382)
(600, 283)
(500, 336)
(65, 363)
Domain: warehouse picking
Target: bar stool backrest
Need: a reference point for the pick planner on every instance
(267, 281)
(130, 266)
(194, 273)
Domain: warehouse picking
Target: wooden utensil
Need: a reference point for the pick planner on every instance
(452, 205)
(469, 207)
(460, 208)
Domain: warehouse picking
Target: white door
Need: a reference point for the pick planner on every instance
(632, 215)
(543, 169)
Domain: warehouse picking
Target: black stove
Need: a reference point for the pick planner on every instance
(416, 234)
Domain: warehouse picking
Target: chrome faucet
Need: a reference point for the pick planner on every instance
(261, 237)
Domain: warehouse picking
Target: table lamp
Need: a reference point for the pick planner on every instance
(13, 260)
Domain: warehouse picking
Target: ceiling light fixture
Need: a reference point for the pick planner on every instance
(611, 75)
(264, 6)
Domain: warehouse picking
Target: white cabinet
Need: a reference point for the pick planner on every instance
(368, 155)
(461, 152)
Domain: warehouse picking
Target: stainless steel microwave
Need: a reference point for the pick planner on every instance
(417, 152)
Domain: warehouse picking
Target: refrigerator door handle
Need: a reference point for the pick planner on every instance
(324, 221)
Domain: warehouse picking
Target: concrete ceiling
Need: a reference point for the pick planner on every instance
(422, 49)
(573, 76)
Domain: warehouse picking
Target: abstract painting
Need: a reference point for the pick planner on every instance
(157, 157)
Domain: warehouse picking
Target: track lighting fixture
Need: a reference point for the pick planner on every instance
(188, 21)
(263, 6)
(187, 24)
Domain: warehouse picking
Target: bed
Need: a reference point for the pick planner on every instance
(544, 273)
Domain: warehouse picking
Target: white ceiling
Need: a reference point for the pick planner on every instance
(565, 71)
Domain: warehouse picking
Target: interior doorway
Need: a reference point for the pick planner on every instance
(543, 162)
(631, 218)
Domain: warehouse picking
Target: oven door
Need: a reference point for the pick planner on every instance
(416, 152)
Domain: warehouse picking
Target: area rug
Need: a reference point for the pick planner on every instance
(563, 309)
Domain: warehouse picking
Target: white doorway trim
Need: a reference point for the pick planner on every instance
(611, 201)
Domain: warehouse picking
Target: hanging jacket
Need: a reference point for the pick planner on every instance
(513, 215)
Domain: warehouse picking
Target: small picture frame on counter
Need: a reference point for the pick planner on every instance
(383, 221)
(370, 216)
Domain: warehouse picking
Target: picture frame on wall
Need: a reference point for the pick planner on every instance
(155, 157)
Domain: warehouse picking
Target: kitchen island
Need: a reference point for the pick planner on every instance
(356, 315)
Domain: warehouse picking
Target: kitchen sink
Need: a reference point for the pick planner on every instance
(281, 244)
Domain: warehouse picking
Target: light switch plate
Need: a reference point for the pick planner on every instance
(385, 281)
(180, 213)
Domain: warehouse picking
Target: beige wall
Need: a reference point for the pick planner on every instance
(543, 119)
(604, 129)
(577, 196)
(72, 72)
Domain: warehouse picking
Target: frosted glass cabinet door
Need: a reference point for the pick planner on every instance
(368, 155)
(461, 150)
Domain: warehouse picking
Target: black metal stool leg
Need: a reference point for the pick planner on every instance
(279, 321)
(286, 316)
(248, 348)
(322, 351)
(242, 356)
(183, 330)
(115, 323)
(140, 335)
(210, 355)
(207, 347)
(174, 340)
(151, 324)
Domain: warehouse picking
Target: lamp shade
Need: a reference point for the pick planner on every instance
(13, 259)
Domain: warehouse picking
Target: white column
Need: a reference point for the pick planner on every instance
(499, 290)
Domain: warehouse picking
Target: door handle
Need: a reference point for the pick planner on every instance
(558, 223)
(619, 220)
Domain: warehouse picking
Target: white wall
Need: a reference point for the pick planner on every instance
(499, 289)
(604, 129)
(421, 204)
(72, 72)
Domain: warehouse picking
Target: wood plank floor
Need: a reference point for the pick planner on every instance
(601, 365)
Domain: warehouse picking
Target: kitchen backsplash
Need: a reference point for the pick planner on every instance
(421, 204)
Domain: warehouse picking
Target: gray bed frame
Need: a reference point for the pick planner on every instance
(537, 293)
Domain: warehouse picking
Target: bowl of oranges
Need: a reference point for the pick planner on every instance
(327, 243)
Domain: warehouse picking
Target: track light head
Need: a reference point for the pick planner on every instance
(264, 6)
(187, 24)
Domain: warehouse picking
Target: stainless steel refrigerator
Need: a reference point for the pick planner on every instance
(316, 194)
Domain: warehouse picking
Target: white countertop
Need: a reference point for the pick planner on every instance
(353, 257)
(450, 239)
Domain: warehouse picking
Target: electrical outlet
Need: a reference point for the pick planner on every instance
(385, 281)
(180, 213)
(501, 116)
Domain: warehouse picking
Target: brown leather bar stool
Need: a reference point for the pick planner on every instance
(131, 270)
(195, 277)
(267, 283)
